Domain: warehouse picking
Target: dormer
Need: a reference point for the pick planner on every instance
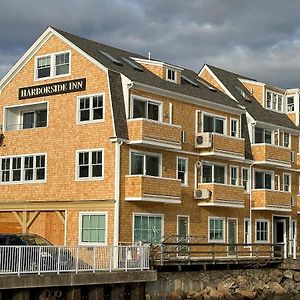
(163, 70)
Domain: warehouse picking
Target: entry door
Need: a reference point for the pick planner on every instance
(232, 236)
(182, 229)
(280, 237)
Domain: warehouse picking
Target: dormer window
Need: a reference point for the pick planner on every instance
(171, 75)
(49, 66)
(290, 103)
(273, 101)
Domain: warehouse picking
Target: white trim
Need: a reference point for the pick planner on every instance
(208, 227)
(155, 63)
(89, 151)
(52, 56)
(90, 96)
(22, 169)
(268, 231)
(252, 81)
(237, 175)
(205, 67)
(247, 190)
(82, 213)
(290, 182)
(175, 74)
(224, 203)
(249, 232)
(186, 173)
(237, 127)
(204, 113)
(155, 199)
(162, 216)
(213, 164)
(274, 208)
(171, 113)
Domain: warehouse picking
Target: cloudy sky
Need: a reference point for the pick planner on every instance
(260, 39)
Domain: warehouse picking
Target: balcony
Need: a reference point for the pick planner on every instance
(273, 154)
(220, 145)
(143, 188)
(153, 133)
(222, 195)
(271, 200)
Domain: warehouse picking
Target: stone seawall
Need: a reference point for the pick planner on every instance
(257, 284)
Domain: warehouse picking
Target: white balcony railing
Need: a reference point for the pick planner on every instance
(46, 259)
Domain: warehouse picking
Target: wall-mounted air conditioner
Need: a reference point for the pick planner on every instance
(203, 140)
(201, 194)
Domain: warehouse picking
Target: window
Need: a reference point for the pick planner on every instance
(93, 228)
(26, 116)
(20, 169)
(273, 101)
(269, 99)
(145, 164)
(262, 231)
(263, 180)
(263, 135)
(171, 75)
(247, 231)
(212, 173)
(233, 175)
(182, 167)
(234, 128)
(90, 108)
(90, 164)
(290, 103)
(216, 230)
(143, 108)
(213, 124)
(286, 140)
(279, 103)
(52, 65)
(286, 182)
(148, 228)
(246, 180)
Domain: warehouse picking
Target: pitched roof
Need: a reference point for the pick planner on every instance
(146, 77)
(232, 83)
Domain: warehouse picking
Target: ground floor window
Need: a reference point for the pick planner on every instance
(262, 230)
(216, 229)
(93, 228)
(148, 228)
(247, 231)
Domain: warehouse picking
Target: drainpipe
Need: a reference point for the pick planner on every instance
(118, 145)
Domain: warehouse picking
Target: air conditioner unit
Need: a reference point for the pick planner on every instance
(201, 194)
(203, 140)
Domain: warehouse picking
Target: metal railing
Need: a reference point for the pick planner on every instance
(45, 259)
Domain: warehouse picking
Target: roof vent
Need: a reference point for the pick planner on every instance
(132, 64)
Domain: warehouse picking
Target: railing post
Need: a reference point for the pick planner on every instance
(126, 258)
(141, 250)
(39, 265)
(58, 260)
(294, 248)
(77, 249)
(110, 257)
(19, 260)
(94, 259)
(213, 251)
(161, 254)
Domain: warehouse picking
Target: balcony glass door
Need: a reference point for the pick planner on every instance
(182, 233)
(232, 236)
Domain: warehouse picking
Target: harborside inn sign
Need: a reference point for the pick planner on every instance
(52, 89)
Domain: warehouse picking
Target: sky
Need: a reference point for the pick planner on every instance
(258, 38)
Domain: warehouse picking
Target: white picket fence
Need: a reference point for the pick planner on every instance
(46, 259)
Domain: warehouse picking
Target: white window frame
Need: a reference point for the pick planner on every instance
(22, 175)
(90, 178)
(289, 138)
(144, 153)
(90, 108)
(186, 163)
(288, 106)
(248, 179)
(248, 239)
(237, 175)
(223, 230)
(284, 185)
(265, 172)
(52, 66)
(268, 231)
(82, 213)
(212, 164)
(148, 215)
(173, 72)
(264, 142)
(273, 96)
(147, 100)
(214, 116)
(237, 127)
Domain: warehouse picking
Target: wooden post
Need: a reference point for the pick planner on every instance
(118, 291)
(96, 292)
(74, 293)
(137, 291)
(21, 294)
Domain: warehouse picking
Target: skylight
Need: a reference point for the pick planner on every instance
(132, 64)
(210, 87)
(242, 93)
(190, 81)
(111, 58)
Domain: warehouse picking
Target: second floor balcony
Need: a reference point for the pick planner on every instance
(265, 199)
(143, 188)
(272, 154)
(214, 194)
(154, 133)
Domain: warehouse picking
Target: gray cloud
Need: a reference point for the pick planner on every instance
(256, 38)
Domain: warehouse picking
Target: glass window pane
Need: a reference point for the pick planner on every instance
(268, 137)
(259, 135)
(208, 123)
(28, 120)
(41, 118)
(139, 108)
(153, 111)
(152, 165)
(137, 164)
(219, 174)
(219, 126)
(268, 181)
(259, 180)
(206, 173)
